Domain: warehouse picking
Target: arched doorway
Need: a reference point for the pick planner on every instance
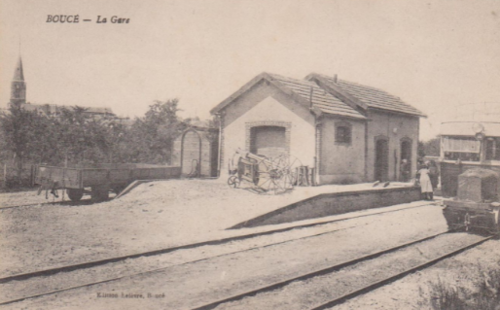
(406, 150)
(269, 141)
(405, 160)
(382, 159)
(191, 154)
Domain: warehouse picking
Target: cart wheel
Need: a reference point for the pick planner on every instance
(99, 194)
(232, 181)
(75, 194)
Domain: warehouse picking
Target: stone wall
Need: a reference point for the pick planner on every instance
(342, 163)
(335, 203)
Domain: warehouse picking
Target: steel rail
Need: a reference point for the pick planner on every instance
(308, 275)
(64, 203)
(160, 269)
(51, 271)
(273, 286)
(395, 277)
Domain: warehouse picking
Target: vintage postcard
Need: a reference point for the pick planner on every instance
(237, 154)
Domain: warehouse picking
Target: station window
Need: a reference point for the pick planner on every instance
(463, 148)
(493, 149)
(343, 133)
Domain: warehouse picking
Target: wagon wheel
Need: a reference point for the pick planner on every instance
(277, 175)
(75, 194)
(233, 181)
(287, 165)
(271, 181)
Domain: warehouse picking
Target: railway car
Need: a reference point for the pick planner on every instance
(470, 173)
(464, 146)
(476, 206)
(100, 178)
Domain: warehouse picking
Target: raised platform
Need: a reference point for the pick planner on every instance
(200, 207)
(326, 204)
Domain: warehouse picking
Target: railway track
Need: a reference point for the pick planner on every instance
(213, 304)
(377, 284)
(79, 267)
(51, 271)
(61, 203)
(83, 266)
(232, 301)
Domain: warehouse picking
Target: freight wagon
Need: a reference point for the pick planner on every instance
(99, 180)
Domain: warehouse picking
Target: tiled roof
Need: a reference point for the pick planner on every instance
(321, 99)
(372, 97)
(52, 108)
(470, 128)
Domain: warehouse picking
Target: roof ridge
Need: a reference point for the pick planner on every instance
(300, 81)
(351, 82)
(373, 97)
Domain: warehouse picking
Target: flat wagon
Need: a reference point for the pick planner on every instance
(99, 179)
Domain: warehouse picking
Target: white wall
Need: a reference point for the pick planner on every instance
(269, 109)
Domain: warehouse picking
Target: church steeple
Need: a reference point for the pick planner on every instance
(18, 86)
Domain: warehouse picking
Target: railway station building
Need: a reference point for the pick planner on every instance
(346, 132)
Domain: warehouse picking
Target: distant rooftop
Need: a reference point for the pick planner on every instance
(470, 128)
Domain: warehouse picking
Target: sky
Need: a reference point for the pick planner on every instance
(442, 57)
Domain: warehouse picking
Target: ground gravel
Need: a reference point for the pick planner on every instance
(38, 285)
(413, 292)
(153, 216)
(318, 290)
(188, 285)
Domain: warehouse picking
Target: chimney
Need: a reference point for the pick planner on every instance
(335, 78)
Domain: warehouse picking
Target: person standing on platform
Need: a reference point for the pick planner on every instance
(405, 170)
(433, 174)
(425, 183)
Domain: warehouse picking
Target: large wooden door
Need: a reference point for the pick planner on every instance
(382, 160)
(269, 141)
(191, 153)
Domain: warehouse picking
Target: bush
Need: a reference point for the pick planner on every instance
(485, 296)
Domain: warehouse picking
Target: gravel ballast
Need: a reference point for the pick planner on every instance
(318, 290)
(153, 216)
(190, 284)
(464, 270)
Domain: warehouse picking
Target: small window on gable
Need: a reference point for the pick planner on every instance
(343, 133)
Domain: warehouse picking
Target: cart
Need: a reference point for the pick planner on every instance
(98, 179)
(264, 175)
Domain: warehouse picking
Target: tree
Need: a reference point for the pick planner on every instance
(432, 147)
(429, 148)
(153, 135)
(21, 131)
(73, 136)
